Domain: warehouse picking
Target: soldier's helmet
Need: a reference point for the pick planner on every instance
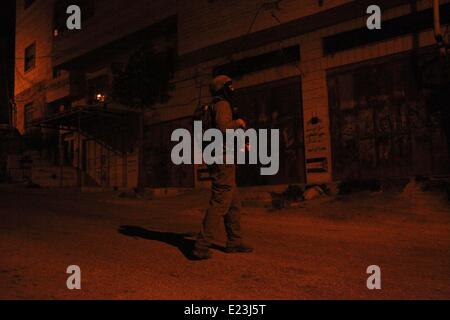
(219, 83)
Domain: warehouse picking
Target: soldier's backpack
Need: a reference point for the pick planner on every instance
(205, 114)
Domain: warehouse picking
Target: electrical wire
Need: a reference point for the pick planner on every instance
(255, 17)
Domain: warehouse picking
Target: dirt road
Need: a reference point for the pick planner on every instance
(137, 249)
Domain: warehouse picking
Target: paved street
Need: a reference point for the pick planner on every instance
(139, 249)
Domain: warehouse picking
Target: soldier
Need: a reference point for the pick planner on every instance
(224, 203)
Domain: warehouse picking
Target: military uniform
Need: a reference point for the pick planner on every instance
(224, 202)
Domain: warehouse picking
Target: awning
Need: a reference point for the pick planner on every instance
(116, 129)
(82, 117)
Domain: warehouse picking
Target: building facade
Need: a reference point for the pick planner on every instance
(350, 103)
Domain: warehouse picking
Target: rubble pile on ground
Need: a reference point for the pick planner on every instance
(295, 195)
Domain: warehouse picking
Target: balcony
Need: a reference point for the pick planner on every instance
(68, 85)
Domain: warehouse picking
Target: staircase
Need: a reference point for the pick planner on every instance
(54, 177)
(47, 175)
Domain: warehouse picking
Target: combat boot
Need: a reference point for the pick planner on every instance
(201, 254)
(201, 249)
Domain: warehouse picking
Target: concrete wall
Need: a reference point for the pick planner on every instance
(205, 23)
(315, 65)
(33, 24)
(112, 20)
(201, 29)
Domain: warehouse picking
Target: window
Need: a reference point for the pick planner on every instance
(27, 3)
(30, 57)
(28, 113)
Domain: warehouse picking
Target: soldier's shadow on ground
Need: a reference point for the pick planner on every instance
(183, 241)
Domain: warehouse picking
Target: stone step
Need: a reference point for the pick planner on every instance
(50, 177)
